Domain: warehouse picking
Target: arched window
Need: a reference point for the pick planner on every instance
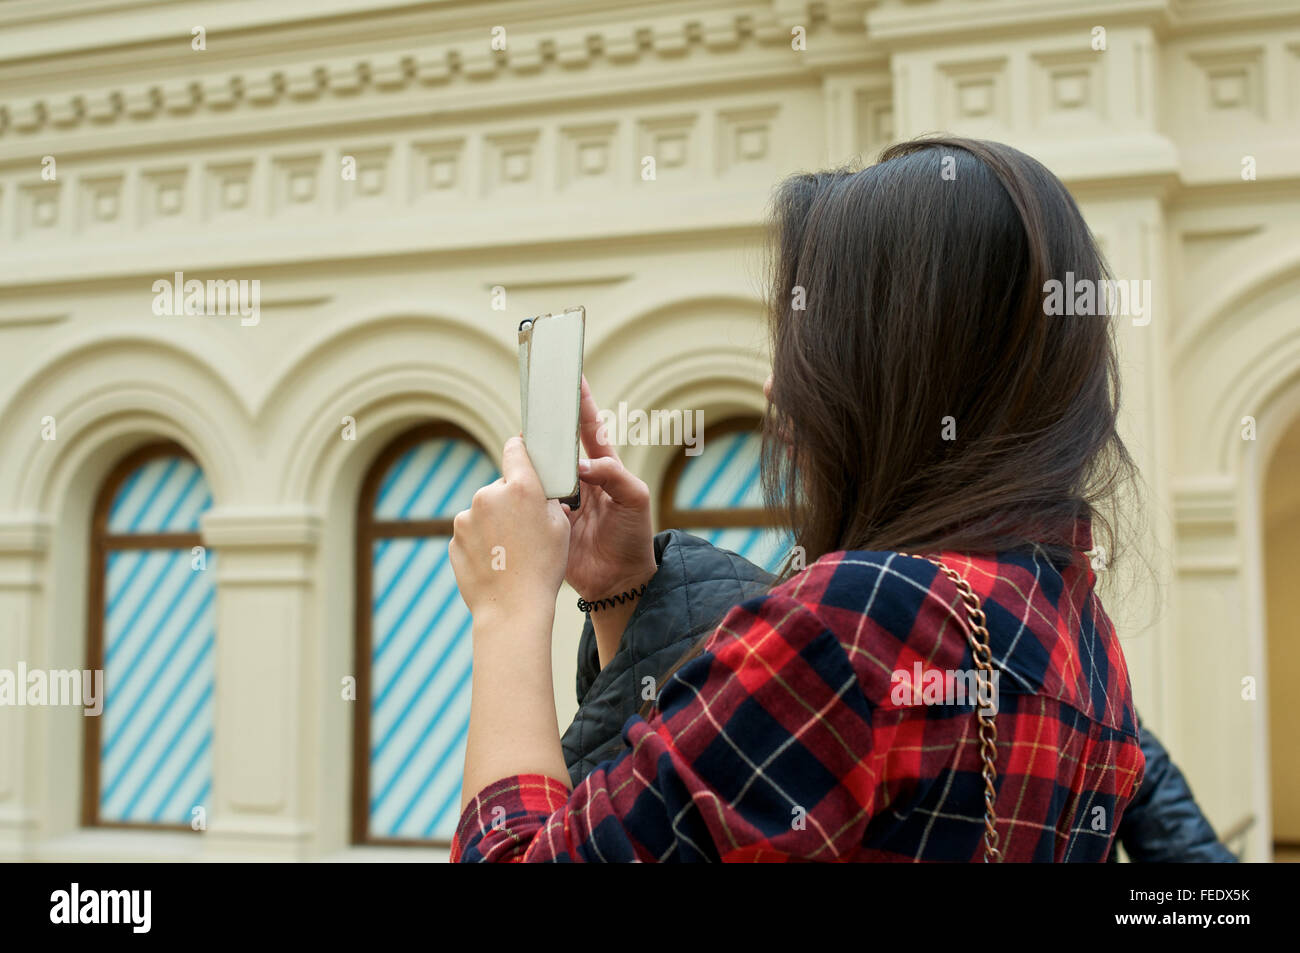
(413, 647)
(717, 495)
(152, 630)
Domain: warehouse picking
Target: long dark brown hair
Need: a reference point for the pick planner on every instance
(923, 399)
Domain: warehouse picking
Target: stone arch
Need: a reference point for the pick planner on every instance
(1255, 264)
(713, 358)
(107, 396)
(1236, 361)
(449, 370)
(719, 336)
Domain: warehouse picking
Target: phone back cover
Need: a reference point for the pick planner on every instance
(550, 387)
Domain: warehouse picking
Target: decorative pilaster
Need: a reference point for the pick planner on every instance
(24, 543)
(262, 799)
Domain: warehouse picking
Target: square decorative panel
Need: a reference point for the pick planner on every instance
(1233, 83)
(746, 139)
(365, 176)
(163, 196)
(228, 191)
(1069, 90)
(973, 95)
(437, 169)
(587, 155)
(296, 184)
(38, 209)
(510, 163)
(670, 141)
(100, 205)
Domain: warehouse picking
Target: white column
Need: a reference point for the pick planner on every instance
(267, 683)
(24, 542)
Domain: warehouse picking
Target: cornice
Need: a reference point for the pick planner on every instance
(114, 88)
(911, 23)
(327, 61)
(901, 24)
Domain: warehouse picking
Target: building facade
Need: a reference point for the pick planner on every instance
(241, 516)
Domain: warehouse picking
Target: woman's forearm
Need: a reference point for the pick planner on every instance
(609, 623)
(513, 726)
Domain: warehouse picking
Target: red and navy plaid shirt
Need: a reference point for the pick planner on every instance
(789, 737)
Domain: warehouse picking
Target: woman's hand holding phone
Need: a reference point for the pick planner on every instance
(507, 548)
(611, 546)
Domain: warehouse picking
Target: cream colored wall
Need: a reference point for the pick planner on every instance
(522, 169)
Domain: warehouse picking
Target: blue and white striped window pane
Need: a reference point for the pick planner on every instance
(159, 634)
(165, 495)
(435, 479)
(420, 647)
(725, 477)
(761, 545)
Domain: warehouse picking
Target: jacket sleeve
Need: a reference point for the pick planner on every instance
(745, 760)
(588, 659)
(589, 654)
(1163, 824)
(695, 587)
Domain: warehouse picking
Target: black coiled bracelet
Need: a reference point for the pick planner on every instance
(612, 601)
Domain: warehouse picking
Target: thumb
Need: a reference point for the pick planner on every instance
(516, 466)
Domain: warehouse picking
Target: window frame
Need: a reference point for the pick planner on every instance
(368, 531)
(101, 543)
(748, 517)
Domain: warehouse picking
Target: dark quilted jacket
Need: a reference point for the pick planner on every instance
(695, 587)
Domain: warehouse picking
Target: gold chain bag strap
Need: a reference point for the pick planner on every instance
(977, 634)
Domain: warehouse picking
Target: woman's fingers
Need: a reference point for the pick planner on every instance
(589, 426)
(517, 468)
(610, 475)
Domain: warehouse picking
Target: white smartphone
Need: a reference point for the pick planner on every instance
(550, 390)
